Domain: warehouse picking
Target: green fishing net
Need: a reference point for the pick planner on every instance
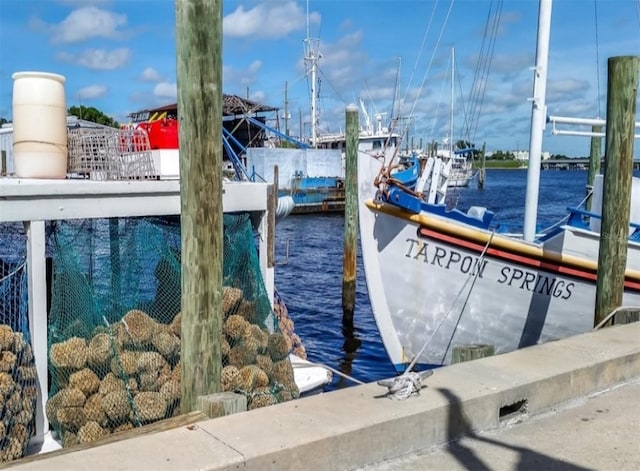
(18, 388)
(114, 325)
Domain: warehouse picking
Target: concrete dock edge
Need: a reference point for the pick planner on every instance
(355, 427)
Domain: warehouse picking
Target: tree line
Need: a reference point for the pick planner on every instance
(88, 113)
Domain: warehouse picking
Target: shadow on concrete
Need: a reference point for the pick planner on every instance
(458, 427)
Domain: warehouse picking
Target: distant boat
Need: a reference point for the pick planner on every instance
(439, 278)
(313, 174)
(458, 163)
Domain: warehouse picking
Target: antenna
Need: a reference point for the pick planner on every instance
(307, 18)
(311, 57)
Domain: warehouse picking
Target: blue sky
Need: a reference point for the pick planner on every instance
(119, 56)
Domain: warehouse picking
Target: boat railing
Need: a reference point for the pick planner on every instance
(578, 218)
(571, 121)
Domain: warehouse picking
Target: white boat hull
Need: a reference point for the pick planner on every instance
(460, 178)
(432, 287)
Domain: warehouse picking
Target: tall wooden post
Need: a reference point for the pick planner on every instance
(350, 215)
(594, 164)
(272, 203)
(481, 173)
(199, 68)
(622, 92)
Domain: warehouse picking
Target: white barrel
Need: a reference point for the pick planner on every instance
(39, 125)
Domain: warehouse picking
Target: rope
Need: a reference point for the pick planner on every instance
(333, 370)
(595, 6)
(410, 383)
(404, 386)
(466, 300)
(10, 274)
(613, 313)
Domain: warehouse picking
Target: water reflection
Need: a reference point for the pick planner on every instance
(350, 347)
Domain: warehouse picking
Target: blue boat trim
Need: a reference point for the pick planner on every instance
(396, 195)
(578, 218)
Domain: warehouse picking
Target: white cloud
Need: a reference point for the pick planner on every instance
(98, 59)
(166, 90)
(92, 92)
(85, 23)
(255, 66)
(246, 77)
(150, 75)
(267, 20)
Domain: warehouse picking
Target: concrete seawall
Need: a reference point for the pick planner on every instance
(358, 426)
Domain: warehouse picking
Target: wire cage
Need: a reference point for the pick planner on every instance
(110, 154)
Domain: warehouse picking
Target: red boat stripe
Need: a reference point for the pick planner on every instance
(522, 260)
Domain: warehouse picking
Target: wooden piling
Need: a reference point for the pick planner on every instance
(350, 215)
(272, 204)
(223, 403)
(481, 173)
(622, 90)
(462, 353)
(199, 71)
(594, 164)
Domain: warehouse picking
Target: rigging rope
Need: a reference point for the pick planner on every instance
(410, 382)
(466, 300)
(424, 79)
(595, 6)
(613, 313)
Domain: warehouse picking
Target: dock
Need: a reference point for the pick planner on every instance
(574, 164)
(477, 401)
(597, 432)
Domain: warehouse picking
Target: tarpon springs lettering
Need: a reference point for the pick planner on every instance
(523, 279)
(448, 259)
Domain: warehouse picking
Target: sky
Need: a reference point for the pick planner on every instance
(120, 57)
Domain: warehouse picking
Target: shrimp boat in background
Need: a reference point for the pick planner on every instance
(438, 278)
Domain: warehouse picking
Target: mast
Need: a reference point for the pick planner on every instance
(538, 118)
(311, 57)
(451, 142)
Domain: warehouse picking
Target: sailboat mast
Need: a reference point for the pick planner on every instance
(451, 142)
(538, 119)
(311, 56)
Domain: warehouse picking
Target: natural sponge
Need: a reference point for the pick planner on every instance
(70, 354)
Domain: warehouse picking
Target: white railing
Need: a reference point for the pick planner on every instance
(555, 120)
(34, 201)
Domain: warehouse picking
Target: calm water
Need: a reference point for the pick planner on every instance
(310, 279)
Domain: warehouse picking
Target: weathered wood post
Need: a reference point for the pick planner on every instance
(594, 164)
(272, 205)
(481, 173)
(622, 91)
(199, 71)
(462, 353)
(350, 215)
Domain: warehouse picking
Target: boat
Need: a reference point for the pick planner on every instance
(458, 162)
(440, 278)
(313, 173)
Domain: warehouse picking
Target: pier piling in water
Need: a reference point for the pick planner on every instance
(481, 173)
(199, 71)
(350, 215)
(594, 163)
(622, 90)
